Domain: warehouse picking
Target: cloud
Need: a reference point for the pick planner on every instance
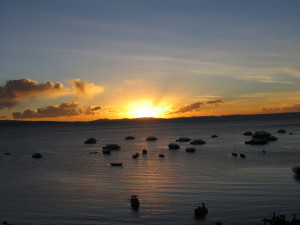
(15, 91)
(67, 109)
(82, 88)
(284, 109)
(197, 106)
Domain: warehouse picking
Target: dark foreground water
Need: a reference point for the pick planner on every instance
(71, 186)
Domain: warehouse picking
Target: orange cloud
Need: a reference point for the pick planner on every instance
(284, 109)
(82, 88)
(197, 106)
(66, 109)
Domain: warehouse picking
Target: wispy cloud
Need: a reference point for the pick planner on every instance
(197, 106)
(66, 109)
(282, 109)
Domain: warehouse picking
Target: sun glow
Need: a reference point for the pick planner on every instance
(145, 109)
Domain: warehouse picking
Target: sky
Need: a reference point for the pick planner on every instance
(82, 60)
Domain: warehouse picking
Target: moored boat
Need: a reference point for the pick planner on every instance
(190, 149)
(112, 147)
(90, 141)
(134, 201)
(116, 164)
(197, 142)
(151, 138)
(173, 146)
(183, 139)
(200, 211)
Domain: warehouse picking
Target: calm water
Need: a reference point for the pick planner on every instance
(71, 186)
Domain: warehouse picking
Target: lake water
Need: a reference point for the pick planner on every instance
(69, 185)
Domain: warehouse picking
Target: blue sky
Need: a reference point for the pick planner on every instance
(169, 53)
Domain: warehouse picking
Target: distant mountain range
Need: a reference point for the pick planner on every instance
(181, 119)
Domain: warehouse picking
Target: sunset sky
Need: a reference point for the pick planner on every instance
(71, 60)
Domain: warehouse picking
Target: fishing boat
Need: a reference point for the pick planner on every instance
(183, 139)
(90, 141)
(116, 164)
(129, 138)
(173, 146)
(106, 151)
(135, 203)
(191, 149)
(112, 147)
(200, 211)
(151, 138)
(197, 142)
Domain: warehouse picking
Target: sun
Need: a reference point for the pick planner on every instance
(144, 108)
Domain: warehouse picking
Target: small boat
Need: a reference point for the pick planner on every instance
(214, 136)
(135, 155)
(151, 138)
(37, 155)
(173, 146)
(161, 155)
(134, 201)
(257, 141)
(145, 151)
(281, 131)
(116, 164)
(200, 212)
(129, 138)
(106, 151)
(90, 141)
(112, 147)
(234, 154)
(242, 155)
(191, 149)
(183, 139)
(197, 142)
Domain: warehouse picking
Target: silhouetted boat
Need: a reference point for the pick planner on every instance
(129, 138)
(200, 212)
(191, 149)
(37, 155)
(145, 151)
(234, 154)
(161, 155)
(242, 155)
(135, 155)
(257, 141)
(151, 138)
(214, 136)
(116, 164)
(183, 139)
(90, 141)
(173, 146)
(135, 203)
(106, 151)
(112, 147)
(281, 131)
(197, 142)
